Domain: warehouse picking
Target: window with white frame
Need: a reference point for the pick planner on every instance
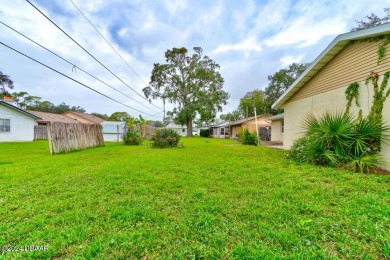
(282, 127)
(5, 125)
(183, 130)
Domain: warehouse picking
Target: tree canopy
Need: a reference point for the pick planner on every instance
(102, 116)
(5, 82)
(280, 81)
(372, 20)
(192, 84)
(26, 101)
(256, 98)
(119, 116)
(232, 116)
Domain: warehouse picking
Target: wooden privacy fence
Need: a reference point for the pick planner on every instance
(40, 132)
(68, 137)
(265, 133)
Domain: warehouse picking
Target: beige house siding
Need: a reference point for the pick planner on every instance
(333, 100)
(236, 130)
(250, 125)
(354, 63)
(276, 131)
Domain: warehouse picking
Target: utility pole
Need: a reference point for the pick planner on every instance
(257, 128)
(247, 118)
(254, 109)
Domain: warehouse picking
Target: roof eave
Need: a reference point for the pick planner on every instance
(21, 110)
(325, 56)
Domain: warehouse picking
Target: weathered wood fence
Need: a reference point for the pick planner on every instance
(40, 132)
(265, 133)
(68, 137)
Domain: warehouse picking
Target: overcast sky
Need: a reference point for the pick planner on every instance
(250, 39)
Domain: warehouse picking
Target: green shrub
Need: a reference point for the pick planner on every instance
(248, 138)
(298, 149)
(132, 137)
(204, 132)
(340, 140)
(164, 138)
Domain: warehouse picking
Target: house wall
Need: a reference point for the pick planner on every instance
(354, 63)
(276, 131)
(22, 126)
(236, 130)
(250, 125)
(112, 137)
(180, 131)
(333, 100)
(217, 132)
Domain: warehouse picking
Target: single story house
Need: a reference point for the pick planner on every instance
(350, 57)
(51, 117)
(220, 130)
(16, 125)
(180, 129)
(250, 124)
(84, 118)
(113, 131)
(277, 127)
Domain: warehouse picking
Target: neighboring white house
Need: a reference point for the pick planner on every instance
(16, 125)
(113, 131)
(180, 129)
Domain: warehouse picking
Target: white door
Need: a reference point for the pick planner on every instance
(222, 133)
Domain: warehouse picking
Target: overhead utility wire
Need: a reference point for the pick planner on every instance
(25, 55)
(105, 39)
(86, 50)
(75, 66)
(112, 47)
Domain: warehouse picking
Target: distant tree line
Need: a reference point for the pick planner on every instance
(25, 101)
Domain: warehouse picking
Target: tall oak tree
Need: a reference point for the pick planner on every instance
(192, 84)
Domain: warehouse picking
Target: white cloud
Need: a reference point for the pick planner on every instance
(306, 23)
(246, 46)
(287, 60)
(272, 16)
(174, 6)
(304, 32)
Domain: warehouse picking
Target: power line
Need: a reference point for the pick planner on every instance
(74, 66)
(112, 47)
(85, 50)
(25, 55)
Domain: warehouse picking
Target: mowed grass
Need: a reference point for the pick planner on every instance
(212, 199)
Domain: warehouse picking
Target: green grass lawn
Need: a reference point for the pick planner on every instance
(211, 199)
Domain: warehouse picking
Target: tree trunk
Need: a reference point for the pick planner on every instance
(189, 127)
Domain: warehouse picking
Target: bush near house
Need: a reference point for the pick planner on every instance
(338, 139)
(204, 133)
(165, 138)
(132, 137)
(247, 138)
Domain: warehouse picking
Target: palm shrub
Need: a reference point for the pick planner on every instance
(330, 136)
(164, 138)
(337, 139)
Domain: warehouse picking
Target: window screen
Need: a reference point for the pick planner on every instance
(5, 125)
